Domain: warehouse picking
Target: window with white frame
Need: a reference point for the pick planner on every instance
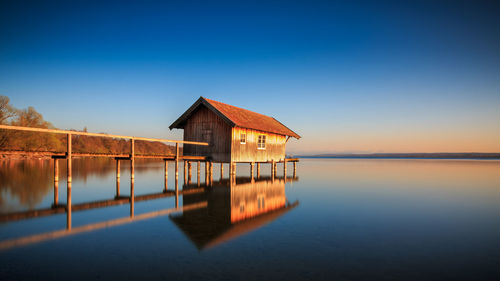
(261, 143)
(243, 138)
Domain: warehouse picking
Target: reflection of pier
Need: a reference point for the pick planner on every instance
(246, 205)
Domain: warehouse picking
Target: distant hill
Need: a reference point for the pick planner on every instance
(458, 155)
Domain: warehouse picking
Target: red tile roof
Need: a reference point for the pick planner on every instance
(238, 117)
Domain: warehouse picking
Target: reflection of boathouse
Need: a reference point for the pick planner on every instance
(231, 212)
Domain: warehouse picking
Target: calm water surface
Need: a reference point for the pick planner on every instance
(340, 219)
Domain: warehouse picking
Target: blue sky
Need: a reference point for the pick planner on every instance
(353, 76)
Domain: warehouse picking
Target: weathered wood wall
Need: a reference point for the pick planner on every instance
(206, 126)
(248, 152)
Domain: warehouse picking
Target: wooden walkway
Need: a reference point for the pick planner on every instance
(68, 207)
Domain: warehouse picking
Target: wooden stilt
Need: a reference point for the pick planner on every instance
(206, 172)
(284, 169)
(176, 193)
(185, 172)
(294, 169)
(56, 182)
(166, 175)
(69, 181)
(198, 172)
(117, 178)
(176, 161)
(189, 171)
(258, 170)
(211, 173)
(221, 170)
(132, 176)
(232, 169)
(251, 169)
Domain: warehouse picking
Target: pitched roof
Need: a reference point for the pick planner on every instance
(237, 117)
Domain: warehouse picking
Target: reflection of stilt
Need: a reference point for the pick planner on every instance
(69, 180)
(166, 176)
(117, 178)
(132, 172)
(258, 170)
(56, 182)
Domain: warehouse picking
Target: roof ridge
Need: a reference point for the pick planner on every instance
(239, 108)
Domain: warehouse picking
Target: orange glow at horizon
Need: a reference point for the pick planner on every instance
(394, 143)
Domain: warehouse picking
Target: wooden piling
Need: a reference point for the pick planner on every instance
(189, 172)
(185, 172)
(117, 178)
(251, 169)
(258, 170)
(211, 172)
(176, 161)
(294, 169)
(232, 169)
(272, 169)
(206, 172)
(132, 176)
(69, 181)
(56, 182)
(198, 166)
(166, 175)
(221, 170)
(284, 169)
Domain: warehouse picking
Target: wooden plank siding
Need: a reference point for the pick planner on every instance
(206, 125)
(248, 152)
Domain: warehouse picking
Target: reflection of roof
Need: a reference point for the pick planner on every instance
(226, 232)
(237, 117)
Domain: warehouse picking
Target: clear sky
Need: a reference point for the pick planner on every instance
(353, 76)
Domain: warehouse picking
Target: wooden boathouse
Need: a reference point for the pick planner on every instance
(234, 135)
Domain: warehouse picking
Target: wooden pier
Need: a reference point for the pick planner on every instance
(68, 207)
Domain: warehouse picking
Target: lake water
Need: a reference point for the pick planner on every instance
(340, 219)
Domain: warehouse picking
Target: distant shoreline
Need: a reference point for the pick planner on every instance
(472, 156)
